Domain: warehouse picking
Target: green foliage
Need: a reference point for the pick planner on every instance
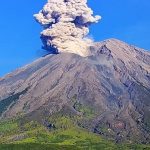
(87, 111)
(36, 147)
(65, 136)
(10, 100)
(101, 146)
(61, 122)
(8, 127)
(31, 125)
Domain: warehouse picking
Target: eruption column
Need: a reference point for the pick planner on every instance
(66, 25)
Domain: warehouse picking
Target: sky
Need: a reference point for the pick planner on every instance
(127, 20)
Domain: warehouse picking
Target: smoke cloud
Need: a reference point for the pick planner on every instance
(66, 25)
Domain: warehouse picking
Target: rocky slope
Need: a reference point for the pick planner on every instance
(109, 91)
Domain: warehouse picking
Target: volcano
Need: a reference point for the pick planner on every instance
(106, 93)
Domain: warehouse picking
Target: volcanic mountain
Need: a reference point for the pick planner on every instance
(107, 93)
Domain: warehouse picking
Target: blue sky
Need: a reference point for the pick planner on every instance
(127, 20)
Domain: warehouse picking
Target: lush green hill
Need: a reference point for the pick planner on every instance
(68, 147)
(59, 132)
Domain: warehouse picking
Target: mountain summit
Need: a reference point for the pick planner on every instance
(108, 91)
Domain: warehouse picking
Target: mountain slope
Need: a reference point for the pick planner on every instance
(33, 136)
(108, 93)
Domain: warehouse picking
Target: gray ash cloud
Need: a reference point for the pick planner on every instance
(66, 26)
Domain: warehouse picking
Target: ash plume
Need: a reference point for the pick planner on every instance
(66, 25)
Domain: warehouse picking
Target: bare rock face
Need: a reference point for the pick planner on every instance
(110, 90)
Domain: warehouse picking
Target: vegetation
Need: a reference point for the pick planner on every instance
(59, 132)
(5, 103)
(86, 110)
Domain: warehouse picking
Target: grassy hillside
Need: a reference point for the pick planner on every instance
(59, 133)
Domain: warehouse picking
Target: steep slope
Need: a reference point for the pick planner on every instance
(108, 92)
